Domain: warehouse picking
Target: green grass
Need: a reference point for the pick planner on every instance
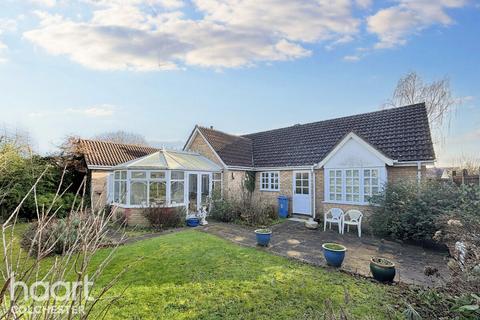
(194, 275)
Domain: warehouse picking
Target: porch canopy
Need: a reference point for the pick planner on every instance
(166, 178)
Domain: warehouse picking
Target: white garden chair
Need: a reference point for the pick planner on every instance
(334, 215)
(353, 218)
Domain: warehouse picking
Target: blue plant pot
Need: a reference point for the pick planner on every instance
(263, 239)
(193, 222)
(334, 257)
(382, 273)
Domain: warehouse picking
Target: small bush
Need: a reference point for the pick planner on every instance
(58, 235)
(222, 210)
(163, 218)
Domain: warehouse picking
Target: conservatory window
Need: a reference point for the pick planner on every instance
(177, 190)
(269, 181)
(138, 188)
(120, 187)
(157, 192)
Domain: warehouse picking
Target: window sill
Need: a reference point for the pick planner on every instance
(269, 190)
(347, 203)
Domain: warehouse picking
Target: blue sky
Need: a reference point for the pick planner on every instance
(158, 67)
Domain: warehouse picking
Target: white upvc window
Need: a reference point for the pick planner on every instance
(177, 189)
(270, 181)
(157, 188)
(217, 181)
(353, 185)
(371, 183)
(120, 187)
(138, 188)
(335, 185)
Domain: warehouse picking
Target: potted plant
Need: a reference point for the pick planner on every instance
(263, 236)
(334, 253)
(382, 269)
(192, 220)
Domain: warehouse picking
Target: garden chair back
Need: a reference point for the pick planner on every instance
(334, 215)
(353, 218)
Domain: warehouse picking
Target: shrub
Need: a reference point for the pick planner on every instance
(222, 210)
(163, 218)
(58, 235)
(408, 211)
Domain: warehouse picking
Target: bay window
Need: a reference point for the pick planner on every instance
(353, 185)
(269, 181)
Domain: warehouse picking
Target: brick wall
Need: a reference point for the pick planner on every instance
(396, 174)
(133, 216)
(270, 197)
(98, 188)
(232, 183)
(200, 145)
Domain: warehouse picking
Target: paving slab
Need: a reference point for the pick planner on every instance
(292, 239)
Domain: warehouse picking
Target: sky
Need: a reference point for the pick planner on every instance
(158, 67)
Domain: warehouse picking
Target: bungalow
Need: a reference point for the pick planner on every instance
(333, 163)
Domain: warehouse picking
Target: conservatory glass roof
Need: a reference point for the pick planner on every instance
(170, 160)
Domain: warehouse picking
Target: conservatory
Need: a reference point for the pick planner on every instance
(165, 178)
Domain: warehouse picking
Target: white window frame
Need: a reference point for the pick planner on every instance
(272, 181)
(382, 178)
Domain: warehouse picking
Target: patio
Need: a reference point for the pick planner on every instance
(293, 240)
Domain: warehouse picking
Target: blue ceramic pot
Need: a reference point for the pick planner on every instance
(334, 256)
(263, 238)
(382, 269)
(193, 222)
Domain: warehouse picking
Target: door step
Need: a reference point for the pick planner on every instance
(299, 218)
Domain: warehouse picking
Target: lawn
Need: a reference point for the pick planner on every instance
(193, 275)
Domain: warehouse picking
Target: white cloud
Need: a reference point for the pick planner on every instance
(46, 3)
(351, 58)
(393, 25)
(99, 111)
(230, 33)
(95, 111)
(6, 25)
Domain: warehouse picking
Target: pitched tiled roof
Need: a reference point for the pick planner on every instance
(402, 134)
(234, 150)
(101, 153)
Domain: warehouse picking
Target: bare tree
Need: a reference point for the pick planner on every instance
(122, 137)
(437, 95)
(81, 235)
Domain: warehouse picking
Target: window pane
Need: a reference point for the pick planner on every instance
(339, 173)
(139, 175)
(116, 191)
(138, 193)
(298, 190)
(349, 197)
(217, 176)
(157, 175)
(177, 192)
(117, 174)
(356, 173)
(123, 192)
(158, 192)
(177, 175)
(356, 198)
(375, 173)
(332, 196)
(123, 175)
(366, 173)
